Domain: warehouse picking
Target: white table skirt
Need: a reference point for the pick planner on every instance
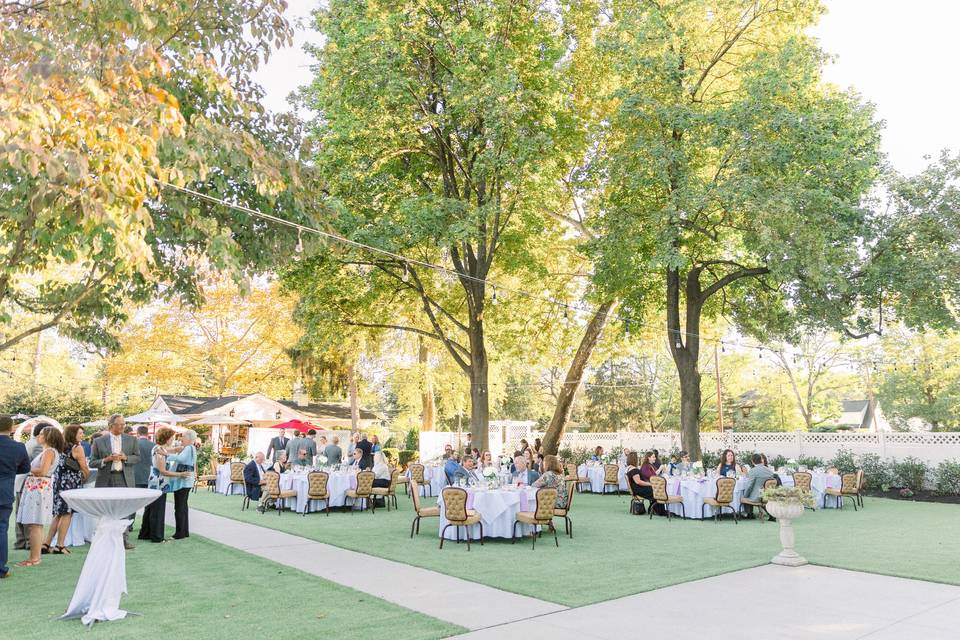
(595, 473)
(693, 492)
(223, 482)
(103, 579)
(818, 486)
(82, 528)
(435, 477)
(337, 485)
(498, 510)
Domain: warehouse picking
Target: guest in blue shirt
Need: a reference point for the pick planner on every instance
(452, 468)
(597, 454)
(186, 460)
(728, 463)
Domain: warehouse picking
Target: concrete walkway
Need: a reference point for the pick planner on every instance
(804, 603)
(467, 604)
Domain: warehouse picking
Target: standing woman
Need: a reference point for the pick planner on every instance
(184, 463)
(152, 528)
(71, 472)
(537, 445)
(36, 502)
(375, 444)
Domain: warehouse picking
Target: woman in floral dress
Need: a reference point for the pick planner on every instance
(67, 476)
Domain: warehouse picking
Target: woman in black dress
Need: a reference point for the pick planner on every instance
(66, 476)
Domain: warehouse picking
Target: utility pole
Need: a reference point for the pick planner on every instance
(716, 366)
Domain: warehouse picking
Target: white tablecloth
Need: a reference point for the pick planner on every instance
(595, 473)
(103, 579)
(81, 531)
(337, 486)
(498, 510)
(435, 476)
(223, 482)
(693, 492)
(818, 486)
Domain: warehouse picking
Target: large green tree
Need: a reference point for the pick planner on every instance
(444, 132)
(734, 176)
(104, 102)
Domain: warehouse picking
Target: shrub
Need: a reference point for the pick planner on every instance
(711, 459)
(204, 459)
(779, 461)
(391, 453)
(877, 472)
(844, 461)
(412, 440)
(580, 455)
(565, 454)
(407, 456)
(810, 462)
(910, 473)
(948, 478)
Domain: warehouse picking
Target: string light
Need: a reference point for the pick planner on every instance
(406, 273)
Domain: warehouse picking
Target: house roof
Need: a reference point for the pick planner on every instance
(854, 406)
(316, 410)
(328, 410)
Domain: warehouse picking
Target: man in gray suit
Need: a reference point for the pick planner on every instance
(305, 444)
(115, 455)
(758, 475)
(277, 446)
(141, 470)
(333, 451)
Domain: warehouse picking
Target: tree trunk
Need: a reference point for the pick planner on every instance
(684, 345)
(354, 400)
(568, 392)
(479, 391)
(428, 411)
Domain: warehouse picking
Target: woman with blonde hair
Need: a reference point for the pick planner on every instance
(553, 477)
(152, 527)
(185, 464)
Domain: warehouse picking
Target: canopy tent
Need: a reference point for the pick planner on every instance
(27, 425)
(99, 424)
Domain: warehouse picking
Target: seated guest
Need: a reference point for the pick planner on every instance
(381, 470)
(759, 474)
(280, 465)
(537, 445)
(728, 463)
(486, 460)
(681, 466)
(656, 463)
(638, 478)
(452, 468)
(553, 477)
(522, 475)
(474, 474)
(538, 465)
(253, 476)
(523, 446)
(357, 461)
(597, 454)
(528, 457)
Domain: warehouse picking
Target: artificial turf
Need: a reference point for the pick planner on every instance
(199, 589)
(613, 554)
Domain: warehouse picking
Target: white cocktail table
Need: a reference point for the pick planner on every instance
(103, 579)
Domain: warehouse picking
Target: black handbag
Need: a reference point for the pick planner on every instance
(70, 462)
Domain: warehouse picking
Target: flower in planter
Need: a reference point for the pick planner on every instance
(788, 494)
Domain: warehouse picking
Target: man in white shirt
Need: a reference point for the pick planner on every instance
(473, 473)
(115, 455)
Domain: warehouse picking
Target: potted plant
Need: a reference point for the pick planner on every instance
(787, 504)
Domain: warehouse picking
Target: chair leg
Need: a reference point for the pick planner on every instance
(534, 539)
(413, 525)
(513, 538)
(554, 529)
(443, 534)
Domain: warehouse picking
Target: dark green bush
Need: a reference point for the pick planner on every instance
(843, 461)
(412, 442)
(877, 472)
(910, 473)
(406, 456)
(948, 478)
(810, 462)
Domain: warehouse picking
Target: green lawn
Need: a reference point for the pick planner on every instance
(614, 554)
(199, 589)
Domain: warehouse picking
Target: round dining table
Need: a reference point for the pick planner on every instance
(596, 474)
(498, 510)
(338, 483)
(103, 579)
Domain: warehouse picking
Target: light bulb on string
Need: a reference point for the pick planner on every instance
(723, 347)
(299, 247)
(494, 299)
(566, 313)
(678, 345)
(406, 273)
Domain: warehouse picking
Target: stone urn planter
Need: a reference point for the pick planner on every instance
(786, 511)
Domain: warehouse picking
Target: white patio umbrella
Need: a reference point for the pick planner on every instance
(99, 424)
(27, 425)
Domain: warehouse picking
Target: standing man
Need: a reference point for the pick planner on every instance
(311, 446)
(367, 449)
(33, 447)
(141, 470)
(277, 444)
(333, 451)
(115, 455)
(13, 461)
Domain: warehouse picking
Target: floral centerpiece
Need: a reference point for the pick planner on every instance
(505, 461)
(787, 504)
(321, 460)
(490, 474)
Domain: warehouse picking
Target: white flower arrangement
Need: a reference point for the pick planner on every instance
(506, 461)
(697, 466)
(489, 472)
(321, 459)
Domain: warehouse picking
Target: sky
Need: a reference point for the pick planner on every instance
(897, 54)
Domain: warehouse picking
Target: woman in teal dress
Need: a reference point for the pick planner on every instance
(183, 462)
